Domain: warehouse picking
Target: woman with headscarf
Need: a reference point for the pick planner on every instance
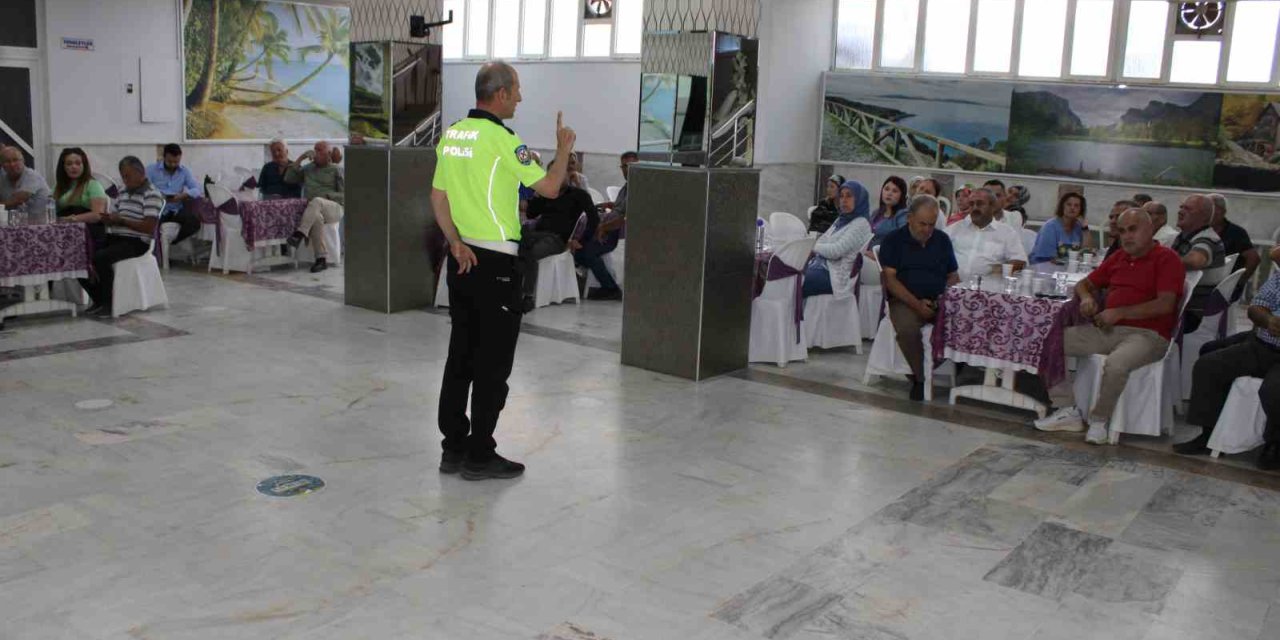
(836, 251)
(826, 212)
(1018, 195)
(891, 214)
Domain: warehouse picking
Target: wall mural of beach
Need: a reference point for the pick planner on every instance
(258, 70)
(1186, 137)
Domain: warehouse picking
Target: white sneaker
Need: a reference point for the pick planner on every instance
(1097, 433)
(1064, 419)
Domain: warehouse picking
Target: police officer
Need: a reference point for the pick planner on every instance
(481, 164)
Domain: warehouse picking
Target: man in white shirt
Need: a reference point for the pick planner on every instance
(981, 242)
(1011, 218)
(1165, 234)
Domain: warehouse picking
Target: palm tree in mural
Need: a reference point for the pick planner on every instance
(271, 42)
(203, 88)
(333, 30)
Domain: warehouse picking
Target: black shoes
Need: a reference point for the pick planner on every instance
(296, 239)
(917, 391)
(98, 311)
(1269, 459)
(320, 265)
(451, 462)
(1197, 446)
(497, 468)
(527, 304)
(600, 293)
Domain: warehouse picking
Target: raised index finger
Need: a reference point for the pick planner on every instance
(559, 120)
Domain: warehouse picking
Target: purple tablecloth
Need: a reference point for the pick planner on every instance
(261, 220)
(44, 249)
(986, 328)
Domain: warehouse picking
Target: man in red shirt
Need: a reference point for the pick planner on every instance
(1144, 283)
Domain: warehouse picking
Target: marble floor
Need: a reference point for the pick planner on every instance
(767, 504)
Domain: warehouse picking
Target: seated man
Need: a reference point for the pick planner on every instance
(179, 188)
(21, 188)
(1118, 208)
(322, 185)
(1256, 354)
(1003, 214)
(1159, 213)
(555, 220)
(918, 265)
(1144, 284)
(271, 183)
(130, 228)
(605, 239)
(983, 243)
(1235, 241)
(1201, 250)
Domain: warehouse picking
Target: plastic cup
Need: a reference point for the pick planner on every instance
(1006, 270)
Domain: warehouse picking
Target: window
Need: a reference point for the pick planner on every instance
(946, 36)
(855, 33)
(993, 46)
(534, 39)
(1253, 41)
(513, 29)
(898, 45)
(564, 28)
(478, 28)
(1144, 42)
(1195, 61)
(1091, 37)
(1044, 25)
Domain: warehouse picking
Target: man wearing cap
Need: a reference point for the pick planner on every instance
(475, 195)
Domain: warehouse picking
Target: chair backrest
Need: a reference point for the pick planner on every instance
(795, 253)
(219, 195)
(612, 192)
(876, 252)
(1028, 240)
(1188, 286)
(787, 226)
(596, 198)
(580, 227)
(1227, 286)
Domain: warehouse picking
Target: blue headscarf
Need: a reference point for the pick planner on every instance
(861, 204)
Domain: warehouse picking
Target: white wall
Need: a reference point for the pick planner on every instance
(600, 101)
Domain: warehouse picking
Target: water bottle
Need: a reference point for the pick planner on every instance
(759, 235)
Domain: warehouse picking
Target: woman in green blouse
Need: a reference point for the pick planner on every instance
(78, 196)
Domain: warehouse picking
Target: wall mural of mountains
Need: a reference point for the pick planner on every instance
(1141, 136)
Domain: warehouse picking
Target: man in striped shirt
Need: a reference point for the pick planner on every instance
(130, 229)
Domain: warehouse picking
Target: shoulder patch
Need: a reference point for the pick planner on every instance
(523, 154)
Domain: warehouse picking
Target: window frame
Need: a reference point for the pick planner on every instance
(1116, 52)
(545, 56)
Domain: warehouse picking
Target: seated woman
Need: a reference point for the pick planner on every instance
(962, 207)
(576, 177)
(825, 212)
(930, 186)
(891, 214)
(1018, 196)
(78, 196)
(837, 249)
(1067, 228)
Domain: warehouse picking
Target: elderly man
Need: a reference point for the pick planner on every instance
(1144, 282)
(1235, 241)
(179, 187)
(21, 188)
(322, 185)
(1201, 250)
(917, 264)
(1255, 354)
(271, 183)
(130, 229)
(607, 236)
(983, 243)
(1159, 213)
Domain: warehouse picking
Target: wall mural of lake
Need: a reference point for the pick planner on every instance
(1155, 136)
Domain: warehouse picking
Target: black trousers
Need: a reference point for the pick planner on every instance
(484, 305)
(1214, 372)
(187, 220)
(105, 256)
(534, 246)
(1229, 341)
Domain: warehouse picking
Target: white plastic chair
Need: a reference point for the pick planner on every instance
(557, 275)
(1207, 331)
(138, 285)
(332, 242)
(1028, 240)
(834, 320)
(787, 227)
(886, 359)
(234, 254)
(1242, 422)
(1146, 405)
(612, 192)
(871, 295)
(596, 198)
(613, 262)
(774, 334)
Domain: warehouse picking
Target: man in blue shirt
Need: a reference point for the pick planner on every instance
(1256, 355)
(916, 265)
(178, 221)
